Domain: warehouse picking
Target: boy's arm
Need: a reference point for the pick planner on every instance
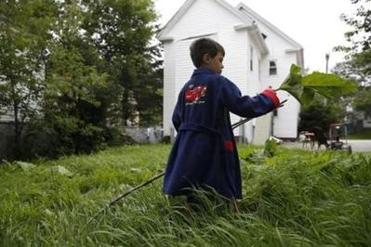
(246, 106)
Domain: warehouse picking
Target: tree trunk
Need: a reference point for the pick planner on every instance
(125, 107)
(17, 131)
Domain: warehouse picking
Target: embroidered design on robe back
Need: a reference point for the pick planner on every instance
(193, 95)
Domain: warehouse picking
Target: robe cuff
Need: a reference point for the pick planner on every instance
(272, 96)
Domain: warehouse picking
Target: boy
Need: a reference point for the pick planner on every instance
(204, 154)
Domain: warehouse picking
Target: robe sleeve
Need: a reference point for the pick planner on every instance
(244, 106)
(177, 114)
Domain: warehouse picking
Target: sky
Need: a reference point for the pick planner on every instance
(315, 24)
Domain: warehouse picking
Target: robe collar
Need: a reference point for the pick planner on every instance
(202, 71)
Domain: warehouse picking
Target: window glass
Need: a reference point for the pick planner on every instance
(272, 68)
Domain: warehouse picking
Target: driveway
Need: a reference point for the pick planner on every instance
(360, 145)
(357, 145)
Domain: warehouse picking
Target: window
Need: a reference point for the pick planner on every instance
(251, 58)
(272, 68)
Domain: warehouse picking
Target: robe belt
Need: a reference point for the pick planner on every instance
(229, 145)
(198, 127)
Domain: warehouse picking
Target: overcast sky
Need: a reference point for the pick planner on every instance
(315, 24)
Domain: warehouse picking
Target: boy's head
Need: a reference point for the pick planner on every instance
(204, 50)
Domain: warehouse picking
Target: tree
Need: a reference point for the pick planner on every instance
(319, 116)
(76, 70)
(148, 93)
(358, 54)
(71, 108)
(358, 50)
(122, 31)
(24, 27)
(362, 101)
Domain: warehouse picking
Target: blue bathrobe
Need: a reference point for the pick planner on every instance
(204, 153)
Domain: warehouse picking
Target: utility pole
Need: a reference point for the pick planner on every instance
(327, 56)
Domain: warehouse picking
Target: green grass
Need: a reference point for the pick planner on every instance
(295, 198)
(364, 134)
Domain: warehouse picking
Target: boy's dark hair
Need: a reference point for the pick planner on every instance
(203, 46)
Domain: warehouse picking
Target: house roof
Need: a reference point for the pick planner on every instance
(184, 8)
(255, 16)
(248, 19)
(297, 48)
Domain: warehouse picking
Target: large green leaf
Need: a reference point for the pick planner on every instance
(315, 85)
(329, 85)
(293, 84)
(307, 96)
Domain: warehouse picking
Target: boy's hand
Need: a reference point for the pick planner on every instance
(271, 94)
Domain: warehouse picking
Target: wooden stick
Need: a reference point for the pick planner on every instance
(136, 188)
(114, 201)
(235, 125)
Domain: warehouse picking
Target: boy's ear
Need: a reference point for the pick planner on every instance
(206, 58)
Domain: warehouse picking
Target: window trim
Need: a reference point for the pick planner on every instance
(251, 58)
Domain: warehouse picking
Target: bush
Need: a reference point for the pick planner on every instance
(166, 140)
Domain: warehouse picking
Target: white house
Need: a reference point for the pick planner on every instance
(258, 55)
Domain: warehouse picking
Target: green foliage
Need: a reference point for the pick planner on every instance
(315, 85)
(358, 48)
(362, 101)
(358, 57)
(329, 85)
(319, 115)
(312, 90)
(121, 32)
(72, 84)
(295, 198)
(24, 33)
(270, 147)
(74, 72)
(364, 134)
(359, 35)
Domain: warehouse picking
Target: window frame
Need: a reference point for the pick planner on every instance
(272, 68)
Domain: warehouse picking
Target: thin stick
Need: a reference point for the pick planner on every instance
(235, 125)
(114, 201)
(136, 188)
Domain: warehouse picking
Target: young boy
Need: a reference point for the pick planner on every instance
(204, 154)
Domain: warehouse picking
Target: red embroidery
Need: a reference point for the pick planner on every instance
(229, 145)
(193, 95)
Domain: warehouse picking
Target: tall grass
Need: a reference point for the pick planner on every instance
(294, 198)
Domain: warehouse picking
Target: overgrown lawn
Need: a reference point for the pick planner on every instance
(295, 198)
